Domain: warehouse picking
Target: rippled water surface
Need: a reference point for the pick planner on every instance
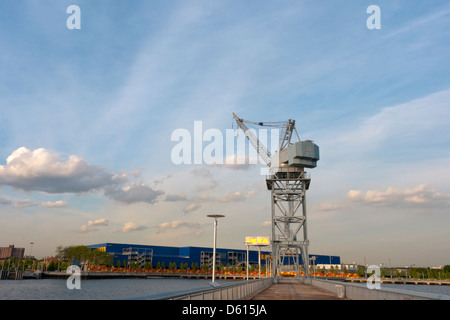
(56, 289)
(109, 289)
(442, 289)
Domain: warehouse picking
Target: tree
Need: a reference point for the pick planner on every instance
(77, 254)
(83, 255)
(345, 270)
(51, 266)
(184, 266)
(96, 257)
(194, 266)
(361, 271)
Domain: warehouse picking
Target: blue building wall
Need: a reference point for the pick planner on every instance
(189, 255)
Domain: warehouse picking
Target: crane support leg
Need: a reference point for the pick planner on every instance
(289, 232)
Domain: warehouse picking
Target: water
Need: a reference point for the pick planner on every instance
(104, 289)
(436, 289)
(424, 288)
(110, 289)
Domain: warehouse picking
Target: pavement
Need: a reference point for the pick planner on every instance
(294, 289)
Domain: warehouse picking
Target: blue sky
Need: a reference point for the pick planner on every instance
(87, 116)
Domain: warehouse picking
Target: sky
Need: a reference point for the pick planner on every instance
(87, 117)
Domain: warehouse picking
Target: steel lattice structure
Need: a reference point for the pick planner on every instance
(288, 183)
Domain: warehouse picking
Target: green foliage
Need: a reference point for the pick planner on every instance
(194, 266)
(83, 255)
(361, 271)
(172, 266)
(52, 266)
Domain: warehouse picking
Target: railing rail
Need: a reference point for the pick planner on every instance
(360, 292)
(234, 291)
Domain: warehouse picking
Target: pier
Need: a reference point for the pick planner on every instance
(320, 289)
(11, 275)
(403, 281)
(20, 275)
(294, 289)
(146, 275)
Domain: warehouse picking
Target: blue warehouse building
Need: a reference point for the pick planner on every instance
(200, 255)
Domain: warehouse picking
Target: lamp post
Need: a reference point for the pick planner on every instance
(215, 217)
(247, 260)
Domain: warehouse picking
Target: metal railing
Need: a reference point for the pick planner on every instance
(361, 292)
(234, 291)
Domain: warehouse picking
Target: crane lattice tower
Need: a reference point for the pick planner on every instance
(288, 182)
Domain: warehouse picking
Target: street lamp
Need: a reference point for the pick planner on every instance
(31, 250)
(215, 217)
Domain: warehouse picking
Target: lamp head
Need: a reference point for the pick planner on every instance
(215, 216)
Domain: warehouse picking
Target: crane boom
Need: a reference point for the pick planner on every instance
(260, 148)
(289, 129)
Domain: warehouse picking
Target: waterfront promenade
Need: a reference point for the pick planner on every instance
(294, 289)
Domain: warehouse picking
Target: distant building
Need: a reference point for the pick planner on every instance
(8, 252)
(127, 253)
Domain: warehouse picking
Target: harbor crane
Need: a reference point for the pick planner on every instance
(288, 182)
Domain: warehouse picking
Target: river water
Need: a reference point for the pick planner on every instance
(110, 289)
(436, 289)
(104, 289)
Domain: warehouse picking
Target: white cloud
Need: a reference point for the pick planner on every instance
(132, 226)
(93, 225)
(241, 162)
(25, 204)
(237, 196)
(205, 197)
(192, 207)
(422, 194)
(392, 132)
(42, 170)
(4, 201)
(267, 223)
(329, 206)
(55, 204)
(133, 193)
(48, 204)
(201, 172)
(207, 186)
(177, 224)
(175, 197)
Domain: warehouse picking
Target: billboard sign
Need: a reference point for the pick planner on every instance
(257, 241)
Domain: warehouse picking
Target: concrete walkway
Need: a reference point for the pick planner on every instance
(293, 289)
